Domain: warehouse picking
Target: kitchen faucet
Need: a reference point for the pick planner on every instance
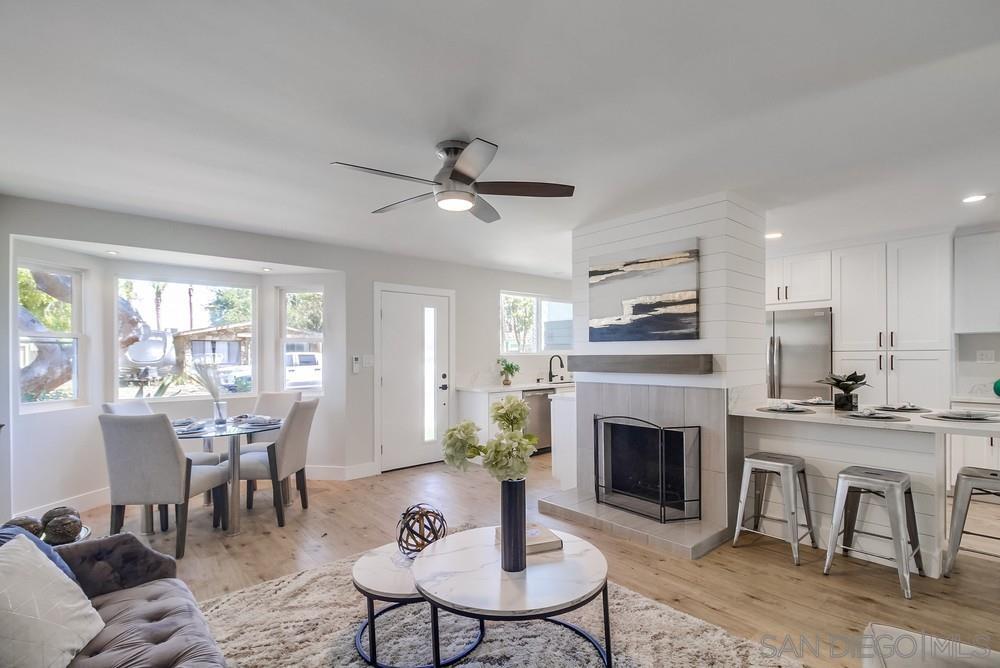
(552, 376)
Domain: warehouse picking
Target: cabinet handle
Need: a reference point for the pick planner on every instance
(880, 362)
(786, 293)
(779, 293)
(880, 339)
(892, 339)
(892, 362)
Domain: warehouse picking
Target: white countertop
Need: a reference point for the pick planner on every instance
(991, 399)
(515, 387)
(563, 396)
(827, 415)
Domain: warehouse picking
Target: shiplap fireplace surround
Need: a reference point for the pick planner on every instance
(731, 296)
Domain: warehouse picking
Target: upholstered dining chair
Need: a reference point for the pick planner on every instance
(271, 404)
(287, 455)
(147, 466)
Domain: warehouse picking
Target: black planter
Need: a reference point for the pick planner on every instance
(513, 555)
(845, 402)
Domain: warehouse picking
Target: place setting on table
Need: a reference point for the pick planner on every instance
(781, 406)
(965, 415)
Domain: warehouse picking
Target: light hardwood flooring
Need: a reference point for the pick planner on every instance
(752, 591)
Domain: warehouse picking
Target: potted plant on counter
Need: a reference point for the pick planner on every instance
(847, 384)
(507, 369)
(506, 459)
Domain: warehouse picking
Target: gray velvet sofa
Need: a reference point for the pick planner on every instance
(151, 618)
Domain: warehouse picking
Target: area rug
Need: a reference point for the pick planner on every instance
(310, 618)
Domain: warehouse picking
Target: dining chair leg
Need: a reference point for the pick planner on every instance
(181, 510)
(251, 486)
(164, 516)
(300, 484)
(279, 503)
(216, 507)
(224, 506)
(117, 519)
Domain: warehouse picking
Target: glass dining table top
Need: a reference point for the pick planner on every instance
(230, 429)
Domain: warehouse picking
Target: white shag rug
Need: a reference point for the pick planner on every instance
(310, 618)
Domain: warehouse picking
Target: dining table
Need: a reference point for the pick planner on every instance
(234, 431)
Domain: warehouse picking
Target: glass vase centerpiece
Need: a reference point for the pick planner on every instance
(505, 457)
(207, 375)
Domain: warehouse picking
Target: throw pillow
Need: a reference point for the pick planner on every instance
(45, 618)
(8, 533)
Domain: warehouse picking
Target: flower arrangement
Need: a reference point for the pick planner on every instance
(207, 375)
(506, 456)
(507, 369)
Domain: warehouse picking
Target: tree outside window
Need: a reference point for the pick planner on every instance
(48, 333)
(302, 339)
(530, 324)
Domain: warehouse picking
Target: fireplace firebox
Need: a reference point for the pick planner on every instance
(648, 469)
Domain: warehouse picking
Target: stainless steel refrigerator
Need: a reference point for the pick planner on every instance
(799, 352)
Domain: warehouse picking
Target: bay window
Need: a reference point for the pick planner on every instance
(49, 326)
(301, 345)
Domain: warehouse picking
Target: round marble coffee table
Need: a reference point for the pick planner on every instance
(461, 574)
(384, 574)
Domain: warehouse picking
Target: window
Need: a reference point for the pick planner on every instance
(164, 327)
(530, 324)
(48, 323)
(302, 339)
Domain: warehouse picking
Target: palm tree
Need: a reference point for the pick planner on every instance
(158, 289)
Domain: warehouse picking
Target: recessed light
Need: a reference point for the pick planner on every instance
(773, 235)
(112, 252)
(972, 199)
(266, 269)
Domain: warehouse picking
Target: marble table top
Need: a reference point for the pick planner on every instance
(462, 572)
(385, 572)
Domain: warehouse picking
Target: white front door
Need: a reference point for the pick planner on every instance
(416, 378)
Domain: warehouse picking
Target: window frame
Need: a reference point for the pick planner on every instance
(254, 350)
(540, 349)
(282, 339)
(75, 333)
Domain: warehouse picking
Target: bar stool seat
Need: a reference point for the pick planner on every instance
(894, 487)
(792, 472)
(970, 481)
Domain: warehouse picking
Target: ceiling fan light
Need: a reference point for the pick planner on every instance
(455, 200)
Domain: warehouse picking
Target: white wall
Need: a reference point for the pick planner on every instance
(731, 287)
(347, 416)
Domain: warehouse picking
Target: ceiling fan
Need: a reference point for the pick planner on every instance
(455, 187)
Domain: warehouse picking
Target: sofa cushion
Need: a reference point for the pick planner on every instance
(892, 647)
(8, 533)
(155, 625)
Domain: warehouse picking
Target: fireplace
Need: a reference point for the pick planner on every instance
(648, 469)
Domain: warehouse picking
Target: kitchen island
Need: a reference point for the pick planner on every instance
(830, 441)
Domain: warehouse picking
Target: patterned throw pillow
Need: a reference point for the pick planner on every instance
(45, 618)
(8, 533)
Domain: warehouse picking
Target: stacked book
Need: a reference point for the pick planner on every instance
(538, 539)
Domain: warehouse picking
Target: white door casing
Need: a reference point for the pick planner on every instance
(413, 386)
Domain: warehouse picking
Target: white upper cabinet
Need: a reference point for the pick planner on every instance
(977, 282)
(798, 278)
(918, 275)
(859, 298)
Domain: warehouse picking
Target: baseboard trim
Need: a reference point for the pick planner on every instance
(316, 472)
(82, 502)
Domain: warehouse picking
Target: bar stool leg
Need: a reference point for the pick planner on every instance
(791, 503)
(759, 495)
(744, 490)
(897, 522)
(804, 491)
(911, 529)
(959, 513)
(851, 509)
(838, 518)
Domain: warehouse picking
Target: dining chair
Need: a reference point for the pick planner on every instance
(287, 455)
(271, 404)
(142, 407)
(147, 466)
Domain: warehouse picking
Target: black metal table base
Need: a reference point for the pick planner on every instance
(604, 652)
(371, 657)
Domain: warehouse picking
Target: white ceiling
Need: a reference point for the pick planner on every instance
(836, 116)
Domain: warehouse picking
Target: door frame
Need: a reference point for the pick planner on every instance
(379, 289)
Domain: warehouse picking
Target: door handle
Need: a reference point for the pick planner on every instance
(769, 363)
(443, 387)
(777, 367)
(786, 293)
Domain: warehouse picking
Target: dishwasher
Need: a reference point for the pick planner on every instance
(539, 416)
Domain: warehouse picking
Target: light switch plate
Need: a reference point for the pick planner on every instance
(356, 363)
(986, 356)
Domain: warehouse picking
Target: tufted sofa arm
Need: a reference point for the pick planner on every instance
(117, 562)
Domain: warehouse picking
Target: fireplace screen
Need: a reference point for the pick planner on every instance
(648, 469)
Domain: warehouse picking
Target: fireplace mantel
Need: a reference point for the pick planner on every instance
(666, 364)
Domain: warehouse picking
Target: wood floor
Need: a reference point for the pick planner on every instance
(752, 591)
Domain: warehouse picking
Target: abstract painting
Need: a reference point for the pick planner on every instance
(645, 295)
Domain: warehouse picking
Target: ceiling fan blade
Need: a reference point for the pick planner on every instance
(391, 175)
(524, 188)
(473, 159)
(484, 211)
(408, 200)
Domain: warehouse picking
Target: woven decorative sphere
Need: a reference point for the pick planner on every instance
(419, 526)
(62, 529)
(58, 511)
(30, 524)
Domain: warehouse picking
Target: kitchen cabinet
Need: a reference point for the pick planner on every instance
(918, 289)
(872, 363)
(798, 278)
(921, 377)
(859, 298)
(977, 275)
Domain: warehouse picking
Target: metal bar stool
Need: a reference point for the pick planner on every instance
(894, 487)
(971, 481)
(792, 472)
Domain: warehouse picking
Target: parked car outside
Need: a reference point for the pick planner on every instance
(303, 370)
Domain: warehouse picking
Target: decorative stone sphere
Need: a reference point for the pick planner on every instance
(62, 529)
(419, 526)
(58, 511)
(31, 524)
